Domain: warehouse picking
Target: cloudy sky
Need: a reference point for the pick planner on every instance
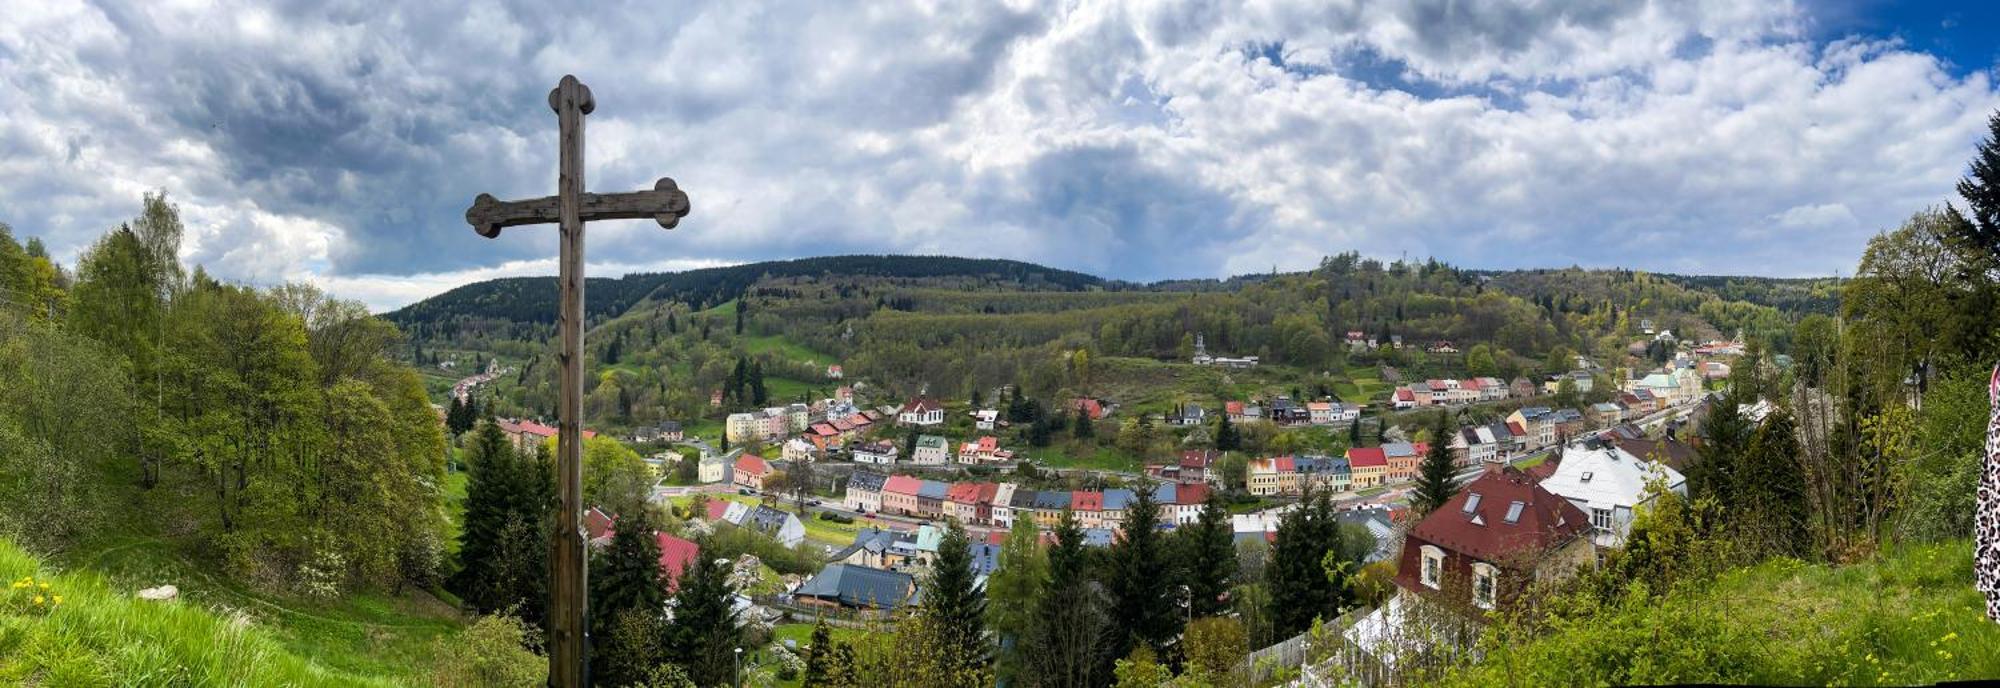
(340, 142)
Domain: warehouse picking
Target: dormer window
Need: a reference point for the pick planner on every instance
(1586, 477)
(1433, 568)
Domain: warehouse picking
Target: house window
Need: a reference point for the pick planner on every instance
(1600, 518)
(1484, 580)
(1433, 573)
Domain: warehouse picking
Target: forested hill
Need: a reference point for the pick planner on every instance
(533, 299)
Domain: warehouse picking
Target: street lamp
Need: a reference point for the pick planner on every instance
(739, 668)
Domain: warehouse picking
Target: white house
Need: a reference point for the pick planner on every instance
(864, 492)
(797, 449)
(931, 450)
(881, 452)
(921, 411)
(985, 419)
(1609, 484)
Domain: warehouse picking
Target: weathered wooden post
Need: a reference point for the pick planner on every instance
(570, 208)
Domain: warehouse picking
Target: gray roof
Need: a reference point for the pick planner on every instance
(867, 481)
(1022, 499)
(1045, 499)
(767, 519)
(859, 586)
(932, 489)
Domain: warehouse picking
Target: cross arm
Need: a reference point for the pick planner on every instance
(665, 204)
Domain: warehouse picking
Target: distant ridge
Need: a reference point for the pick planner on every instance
(533, 299)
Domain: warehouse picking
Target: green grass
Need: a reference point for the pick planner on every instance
(454, 508)
(1531, 463)
(801, 633)
(1104, 459)
(785, 348)
(367, 634)
(101, 636)
(1910, 617)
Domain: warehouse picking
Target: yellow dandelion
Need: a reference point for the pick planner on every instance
(39, 600)
(57, 599)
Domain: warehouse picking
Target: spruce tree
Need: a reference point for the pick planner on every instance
(625, 581)
(503, 557)
(1066, 646)
(1436, 476)
(1982, 195)
(1142, 583)
(1227, 437)
(1208, 556)
(955, 605)
(1296, 577)
(819, 657)
(1082, 428)
(759, 395)
(705, 631)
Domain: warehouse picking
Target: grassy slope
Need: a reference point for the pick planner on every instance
(100, 635)
(1909, 618)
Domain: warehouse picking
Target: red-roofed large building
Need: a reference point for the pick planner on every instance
(1500, 532)
(675, 555)
(1370, 467)
(899, 494)
(962, 502)
(1189, 498)
(1089, 507)
(528, 434)
(751, 470)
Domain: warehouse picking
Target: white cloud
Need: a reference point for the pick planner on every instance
(1137, 140)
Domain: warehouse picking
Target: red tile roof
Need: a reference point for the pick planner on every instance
(1234, 408)
(1404, 394)
(1284, 464)
(902, 485)
(753, 465)
(1200, 458)
(1366, 456)
(963, 493)
(1194, 493)
(716, 508)
(1084, 500)
(1546, 521)
(1517, 429)
(987, 491)
(596, 523)
(675, 555)
(1088, 406)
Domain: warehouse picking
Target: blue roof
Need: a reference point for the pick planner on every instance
(1116, 499)
(932, 489)
(1164, 494)
(1045, 499)
(859, 586)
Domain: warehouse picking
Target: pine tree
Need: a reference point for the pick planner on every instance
(1067, 644)
(955, 606)
(1208, 556)
(1354, 433)
(503, 558)
(626, 581)
(1436, 476)
(1982, 195)
(705, 631)
(819, 657)
(1142, 582)
(759, 395)
(1296, 576)
(1227, 437)
(1082, 427)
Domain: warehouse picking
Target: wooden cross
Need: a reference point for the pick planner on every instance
(570, 208)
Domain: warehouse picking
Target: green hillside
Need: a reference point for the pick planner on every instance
(86, 632)
(1909, 618)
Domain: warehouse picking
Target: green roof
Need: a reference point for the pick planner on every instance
(931, 442)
